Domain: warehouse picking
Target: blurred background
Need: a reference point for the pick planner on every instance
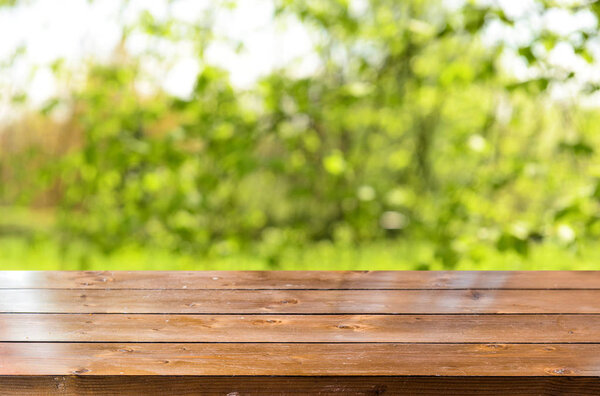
(299, 134)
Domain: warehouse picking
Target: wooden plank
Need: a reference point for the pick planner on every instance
(299, 359)
(301, 279)
(300, 301)
(300, 328)
(250, 386)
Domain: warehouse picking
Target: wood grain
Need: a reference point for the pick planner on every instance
(299, 359)
(300, 328)
(299, 332)
(251, 386)
(300, 279)
(300, 301)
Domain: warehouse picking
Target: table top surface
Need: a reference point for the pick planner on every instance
(313, 323)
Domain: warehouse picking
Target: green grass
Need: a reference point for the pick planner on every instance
(41, 253)
(27, 243)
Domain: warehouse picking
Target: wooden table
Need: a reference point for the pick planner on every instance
(236, 333)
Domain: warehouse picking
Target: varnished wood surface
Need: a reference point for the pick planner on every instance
(300, 279)
(289, 359)
(300, 301)
(299, 332)
(323, 385)
(301, 328)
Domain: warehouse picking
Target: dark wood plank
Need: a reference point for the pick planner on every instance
(300, 328)
(301, 279)
(300, 301)
(250, 386)
(299, 359)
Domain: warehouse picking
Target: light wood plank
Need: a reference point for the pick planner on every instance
(300, 328)
(301, 279)
(299, 359)
(300, 301)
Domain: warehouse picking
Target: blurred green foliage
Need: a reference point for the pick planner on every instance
(410, 131)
